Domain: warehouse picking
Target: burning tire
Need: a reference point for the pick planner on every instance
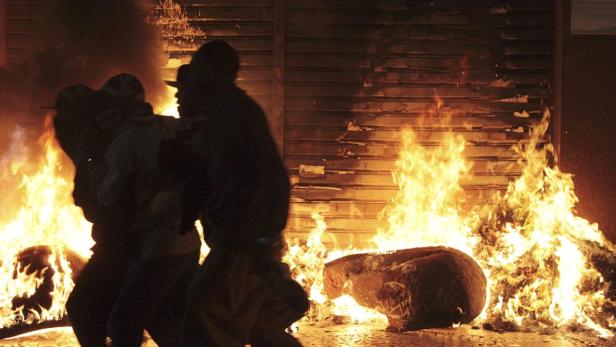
(47, 275)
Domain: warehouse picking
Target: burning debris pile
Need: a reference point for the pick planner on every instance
(541, 257)
(45, 276)
(546, 268)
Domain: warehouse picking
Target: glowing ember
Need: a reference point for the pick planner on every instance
(347, 306)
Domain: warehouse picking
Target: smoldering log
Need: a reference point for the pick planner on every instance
(415, 288)
(36, 261)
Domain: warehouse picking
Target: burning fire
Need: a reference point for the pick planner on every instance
(37, 210)
(307, 262)
(538, 252)
(534, 250)
(170, 108)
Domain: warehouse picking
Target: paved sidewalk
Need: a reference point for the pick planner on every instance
(357, 335)
(352, 335)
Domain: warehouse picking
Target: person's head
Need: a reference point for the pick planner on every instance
(125, 86)
(73, 114)
(121, 97)
(186, 100)
(214, 65)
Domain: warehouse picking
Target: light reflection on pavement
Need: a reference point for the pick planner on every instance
(351, 335)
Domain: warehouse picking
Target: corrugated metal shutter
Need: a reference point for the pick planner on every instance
(23, 17)
(354, 72)
(358, 71)
(3, 27)
(247, 26)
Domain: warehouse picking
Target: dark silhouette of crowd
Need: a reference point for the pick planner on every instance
(143, 181)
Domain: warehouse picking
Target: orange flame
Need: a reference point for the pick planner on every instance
(38, 210)
(539, 257)
(532, 247)
(45, 216)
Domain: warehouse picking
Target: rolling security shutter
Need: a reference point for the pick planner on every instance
(358, 71)
(339, 79)
(246, 25)
(22, 20)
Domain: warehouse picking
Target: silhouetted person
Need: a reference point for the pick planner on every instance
(98, 283)
(243, 293)
(152, 294)
(185, 155)
(73, 107)
(187, 98)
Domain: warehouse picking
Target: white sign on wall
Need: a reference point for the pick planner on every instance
(597, 17)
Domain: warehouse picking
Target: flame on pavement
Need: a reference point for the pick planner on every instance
(534, 250)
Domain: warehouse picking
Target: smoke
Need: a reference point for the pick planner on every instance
(80, 41)
(85, 41)
(89, 41)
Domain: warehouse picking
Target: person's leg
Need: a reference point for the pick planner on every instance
(165, 328)
(278, 339)
(147, 285)
(93, 296)
(285, 302)
(192, 331)
(82, 306)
